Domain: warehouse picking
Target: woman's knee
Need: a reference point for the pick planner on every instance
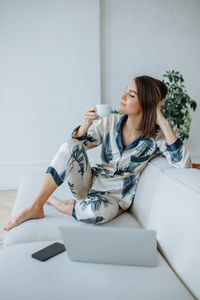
(68, 145)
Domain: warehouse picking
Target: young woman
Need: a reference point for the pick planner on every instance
(129, 140)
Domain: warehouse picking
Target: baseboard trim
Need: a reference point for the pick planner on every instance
(195, 158)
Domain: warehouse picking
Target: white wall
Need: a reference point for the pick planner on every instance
(149, 37)
(49, 75)
(50, 67)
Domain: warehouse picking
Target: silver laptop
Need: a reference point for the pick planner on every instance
(110, 245)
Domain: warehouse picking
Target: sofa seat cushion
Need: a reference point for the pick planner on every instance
(22, 277)
(46, 229)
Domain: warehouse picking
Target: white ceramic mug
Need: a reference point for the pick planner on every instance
(104, 110)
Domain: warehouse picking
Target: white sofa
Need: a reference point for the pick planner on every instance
(167, 200)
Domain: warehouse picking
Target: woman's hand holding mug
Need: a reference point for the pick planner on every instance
(101, 110)
(90, 115)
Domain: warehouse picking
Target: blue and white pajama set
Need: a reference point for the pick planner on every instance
(101, 191)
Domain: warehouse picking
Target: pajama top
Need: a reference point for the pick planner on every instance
(117, 176)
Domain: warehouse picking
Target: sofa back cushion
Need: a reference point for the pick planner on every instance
(146, 188)
(168, 201)
(175, 215)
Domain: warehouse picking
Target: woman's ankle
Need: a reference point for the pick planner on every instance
(36, 206)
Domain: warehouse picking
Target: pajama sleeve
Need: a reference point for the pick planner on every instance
(176, 154)
(94, 135)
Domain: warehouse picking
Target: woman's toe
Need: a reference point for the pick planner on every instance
(8, 226)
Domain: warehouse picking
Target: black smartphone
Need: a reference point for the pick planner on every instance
(49, 251)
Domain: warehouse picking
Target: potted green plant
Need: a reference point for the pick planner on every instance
(177, 104)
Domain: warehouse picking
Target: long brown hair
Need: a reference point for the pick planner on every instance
(150, 92)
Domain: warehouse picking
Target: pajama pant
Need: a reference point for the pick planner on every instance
(71, 163)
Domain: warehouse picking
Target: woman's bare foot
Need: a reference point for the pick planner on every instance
(63, 206)
(27, 214)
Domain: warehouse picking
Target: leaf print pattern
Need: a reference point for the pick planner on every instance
(95, 171)
(78, 155)
(133, 166)
(96, 200)
(85, 156)
(139, 159)
(128, 170)
(145, 148)
(122, 171)
(176, 155)
(128, 185)
(99, 169)
(106, 152)
(89, 140)
(93, 220)
(71, 187)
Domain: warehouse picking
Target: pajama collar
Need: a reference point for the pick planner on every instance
(119, 142)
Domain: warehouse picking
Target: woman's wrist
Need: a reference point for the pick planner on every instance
(86, 124)
(82, 129)
(168, 132)
(162, 121)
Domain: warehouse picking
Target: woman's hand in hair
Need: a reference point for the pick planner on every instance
(165, 127)
(159, 114)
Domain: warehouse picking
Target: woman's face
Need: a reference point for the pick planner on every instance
(130, 104)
